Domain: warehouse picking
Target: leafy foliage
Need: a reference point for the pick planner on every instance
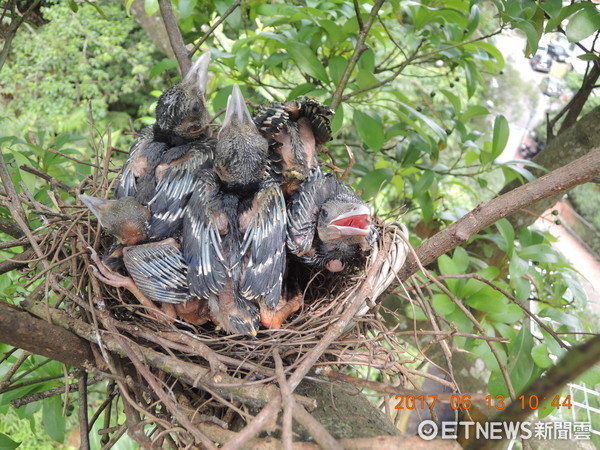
(414, 107)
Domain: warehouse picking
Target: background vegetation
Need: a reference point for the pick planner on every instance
(411, 83)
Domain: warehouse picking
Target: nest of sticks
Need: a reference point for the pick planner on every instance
(182, 384)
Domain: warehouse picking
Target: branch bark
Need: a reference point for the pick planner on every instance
(485, 214)
(575, 105)
(20, 329)
(566, 147)
(175, 38)
(358, 50)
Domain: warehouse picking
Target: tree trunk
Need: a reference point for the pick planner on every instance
(571, 144)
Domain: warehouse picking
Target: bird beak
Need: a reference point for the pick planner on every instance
(199, 73)
(97, 206)
(356, 222)
(237, 113)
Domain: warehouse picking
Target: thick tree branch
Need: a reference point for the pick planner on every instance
(20, 329)
(566, 147)
(10, 228)
(192, 374)
(175, 38)
(485, 214)
(575, 105)
(18, 261)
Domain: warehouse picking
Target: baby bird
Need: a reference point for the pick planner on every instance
(181, 116)
(234, 228)
(329, 226)
(126, 218)
(295, 130)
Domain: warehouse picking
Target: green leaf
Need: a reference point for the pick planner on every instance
(583, 24)
(501, 132)
(186, 8)
(367, 61)
(552, 7)
(424, 183)
(488, 300)
(454, 99)
(520, 364)
(151, 7)
(338, 119)
(472, 75)
(493, 51)
(518, 267)
(447, 265)
(540, 356)
(374, 180)
(301, 89)
(337, 65)
(426, 204)
(52, 418)
(7, 443)
(306, 60)
(510, 315)
(533, 37)
(540, 252)
(369, 129)
(461, 258)
(428, 121)
(159, 68)
(220, 100)
(365, 79)
(473, 111)
(443, 305)
(473, 21)
(588, 57)
(508, 233)
(562, 318)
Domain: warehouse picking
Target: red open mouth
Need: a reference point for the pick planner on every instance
(360, 221)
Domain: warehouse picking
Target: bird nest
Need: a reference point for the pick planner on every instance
(190, 381)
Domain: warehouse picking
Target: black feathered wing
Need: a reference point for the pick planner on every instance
(202, 244)
(159, 270)
(144, 147)
(173, 192)
(303, 212)
(263, 248)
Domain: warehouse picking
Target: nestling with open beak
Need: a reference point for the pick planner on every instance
(329, 226)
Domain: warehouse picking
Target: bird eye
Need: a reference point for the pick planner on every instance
(196, 107)
(324, 213)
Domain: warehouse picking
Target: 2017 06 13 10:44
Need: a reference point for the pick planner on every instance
(498, 402)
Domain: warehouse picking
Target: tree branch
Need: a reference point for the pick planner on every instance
(175, 38)
(358, 51)
(20, 329)
(12, 29)
(577, 361)
(192, 374)
(214, 27)
(485, 214)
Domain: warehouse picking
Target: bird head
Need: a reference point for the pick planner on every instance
(126, 218)
(182, 109)
(241, 152)
(342, 219)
